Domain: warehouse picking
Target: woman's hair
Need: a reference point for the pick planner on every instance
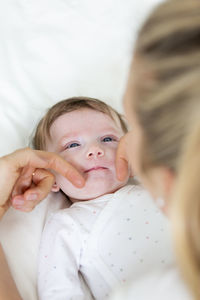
(42, 133)
(167, 105)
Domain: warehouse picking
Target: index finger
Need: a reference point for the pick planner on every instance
(46, 160)
(60, 165)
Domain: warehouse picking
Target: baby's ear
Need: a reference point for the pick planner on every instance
(55, 188)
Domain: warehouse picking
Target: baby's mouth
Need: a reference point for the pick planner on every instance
(97, 168)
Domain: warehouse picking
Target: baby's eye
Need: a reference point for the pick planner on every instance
(108, 139)
(72, 145)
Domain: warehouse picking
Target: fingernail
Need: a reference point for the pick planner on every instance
(18, 202)
(79, 183)
(32, 197)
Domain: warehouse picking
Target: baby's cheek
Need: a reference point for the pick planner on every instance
(74, 160)
(111, 154)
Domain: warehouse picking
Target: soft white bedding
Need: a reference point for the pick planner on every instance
(51, 50)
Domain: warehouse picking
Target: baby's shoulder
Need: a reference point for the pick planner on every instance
(62, 217)
(135, 199)
(79, 215)
(133, 190)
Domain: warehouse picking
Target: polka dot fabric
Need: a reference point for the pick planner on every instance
(107, 240)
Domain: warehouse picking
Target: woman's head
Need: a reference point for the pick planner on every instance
(163, 97)
(164, 84)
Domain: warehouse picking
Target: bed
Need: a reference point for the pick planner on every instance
(52, 50)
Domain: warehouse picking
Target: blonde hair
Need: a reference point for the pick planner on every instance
(42, 133)
(167, 105)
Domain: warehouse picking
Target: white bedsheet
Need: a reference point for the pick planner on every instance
(51, 50)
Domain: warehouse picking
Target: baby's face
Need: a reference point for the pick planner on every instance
(87, 139)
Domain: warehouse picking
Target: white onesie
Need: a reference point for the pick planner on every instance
(107, 240)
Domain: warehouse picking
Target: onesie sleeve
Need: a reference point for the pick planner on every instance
(58, 276)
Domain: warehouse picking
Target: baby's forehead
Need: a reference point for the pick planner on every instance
(83, 118)
(81, 123)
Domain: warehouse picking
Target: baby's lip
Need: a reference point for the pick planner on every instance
(95, 168)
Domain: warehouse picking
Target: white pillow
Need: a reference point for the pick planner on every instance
(51, 50)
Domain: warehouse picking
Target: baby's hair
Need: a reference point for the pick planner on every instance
(167, 104)
(42, 132)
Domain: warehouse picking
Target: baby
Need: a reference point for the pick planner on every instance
(95, 238)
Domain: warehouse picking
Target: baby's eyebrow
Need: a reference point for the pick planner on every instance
(64, 138)
(111, 130)
(68, 136)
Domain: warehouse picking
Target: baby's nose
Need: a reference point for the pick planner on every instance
(95, 151)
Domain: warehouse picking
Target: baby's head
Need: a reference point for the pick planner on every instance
(85, 132)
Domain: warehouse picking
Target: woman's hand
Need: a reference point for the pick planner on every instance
(24, 176)
(122, 162)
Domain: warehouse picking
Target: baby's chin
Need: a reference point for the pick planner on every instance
(93, 191)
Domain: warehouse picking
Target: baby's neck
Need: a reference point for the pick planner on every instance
(74, 200)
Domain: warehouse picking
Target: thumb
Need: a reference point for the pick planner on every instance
(122, 164)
